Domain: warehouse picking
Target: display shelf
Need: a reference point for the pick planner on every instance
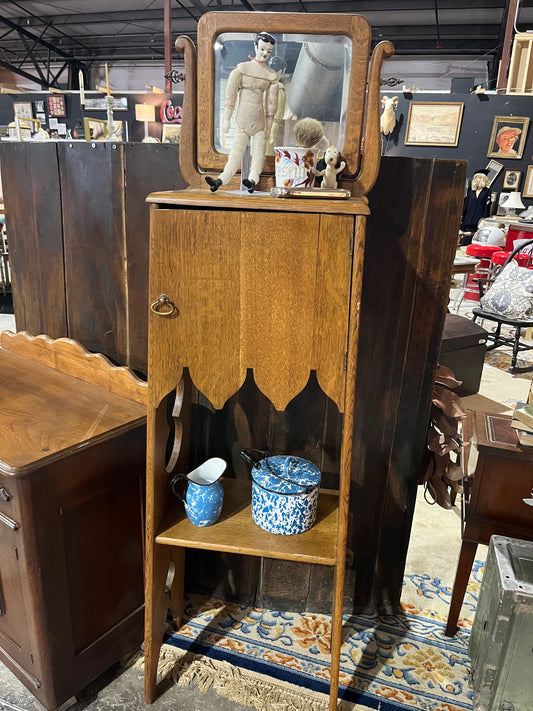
(236, 532)
(521, 69)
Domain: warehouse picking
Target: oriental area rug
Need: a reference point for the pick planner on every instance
(279, 661)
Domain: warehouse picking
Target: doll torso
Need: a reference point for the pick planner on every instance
(252, 80)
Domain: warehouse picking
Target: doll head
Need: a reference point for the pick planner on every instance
(264, 44)
(480, 180)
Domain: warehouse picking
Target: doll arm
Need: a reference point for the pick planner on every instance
(232, 89)
(271, 105)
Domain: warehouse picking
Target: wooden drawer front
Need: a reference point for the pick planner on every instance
(253, 290)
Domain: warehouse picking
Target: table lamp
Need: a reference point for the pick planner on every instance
(146, 113)
(513, 204)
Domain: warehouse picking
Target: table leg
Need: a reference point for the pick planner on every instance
(464, 568)
(461, 295)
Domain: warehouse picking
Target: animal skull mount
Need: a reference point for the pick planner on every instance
(388, 117)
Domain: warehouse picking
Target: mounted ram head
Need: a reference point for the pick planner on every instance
(388, 117)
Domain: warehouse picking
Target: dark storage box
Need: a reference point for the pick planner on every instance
(463, 348)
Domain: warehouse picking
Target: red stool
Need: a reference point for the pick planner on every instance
(484, 253)
(499, 259)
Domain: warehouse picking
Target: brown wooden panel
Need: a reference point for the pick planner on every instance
(32, 196)
(278, 301)
(148, 167)
(92, 193)
(332, 304)
(409, 253)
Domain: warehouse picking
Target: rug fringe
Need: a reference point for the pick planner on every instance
(241, 686)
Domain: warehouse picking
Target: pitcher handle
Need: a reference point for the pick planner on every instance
(173, 483)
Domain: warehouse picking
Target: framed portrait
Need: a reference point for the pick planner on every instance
(433, 123)
(24, 109)
(494, 169)
(508, 137)
(57, 107)
(512, 179)
(527, 192)
(171, 133)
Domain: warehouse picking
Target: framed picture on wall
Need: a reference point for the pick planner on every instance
(57, 107)
(433, 123)
(171, 133)
(502, 199)
(512, 179)
(508, 137)
(95, 130)
(494, 169)
(24, 109)
(527, 192)
(99, 103)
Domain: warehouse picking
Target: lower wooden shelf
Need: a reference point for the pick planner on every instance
(236, 532)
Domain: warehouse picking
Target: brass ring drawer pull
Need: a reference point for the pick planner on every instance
(163, 301)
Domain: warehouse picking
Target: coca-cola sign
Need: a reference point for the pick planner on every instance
(169, 113)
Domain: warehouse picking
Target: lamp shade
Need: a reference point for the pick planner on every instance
(144, 112)
(514, 202)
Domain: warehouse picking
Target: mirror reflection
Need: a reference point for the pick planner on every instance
(312, 82)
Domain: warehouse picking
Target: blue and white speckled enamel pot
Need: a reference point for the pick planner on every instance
(204, 495)
(284, 493)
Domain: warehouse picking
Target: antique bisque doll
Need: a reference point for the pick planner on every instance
(253, 86)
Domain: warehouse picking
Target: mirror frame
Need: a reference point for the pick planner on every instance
(212, 24)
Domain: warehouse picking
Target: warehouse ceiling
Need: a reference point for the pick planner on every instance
(78, 33)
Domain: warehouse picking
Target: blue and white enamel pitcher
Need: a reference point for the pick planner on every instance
(205, 495)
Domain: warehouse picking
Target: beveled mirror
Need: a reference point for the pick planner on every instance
(323, 61)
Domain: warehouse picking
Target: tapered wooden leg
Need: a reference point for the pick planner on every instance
(464, 568)
(155, 615)
(336, 637)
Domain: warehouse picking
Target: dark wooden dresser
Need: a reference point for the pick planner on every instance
(72, 459)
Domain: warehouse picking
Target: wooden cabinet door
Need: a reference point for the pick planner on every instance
(14, 638)
(260, 290)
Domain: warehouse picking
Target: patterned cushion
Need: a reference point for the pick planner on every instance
(511, 294)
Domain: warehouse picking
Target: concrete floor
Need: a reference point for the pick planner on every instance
(119, 689)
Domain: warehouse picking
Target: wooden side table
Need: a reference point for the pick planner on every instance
(493, 501)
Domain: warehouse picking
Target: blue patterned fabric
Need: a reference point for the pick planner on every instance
(511, 294)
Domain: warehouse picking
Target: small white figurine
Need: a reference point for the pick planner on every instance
(254, 87)
(329, 167)
(388, 117)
